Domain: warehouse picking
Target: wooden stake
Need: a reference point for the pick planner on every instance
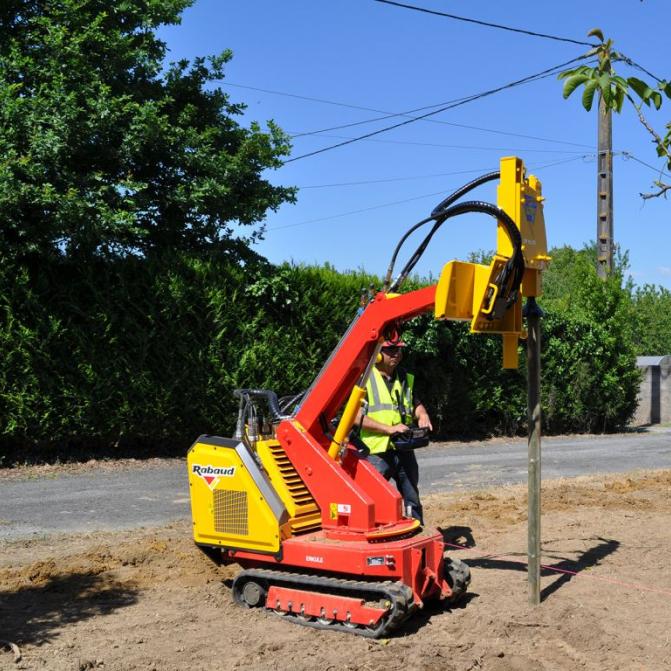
(533, 313)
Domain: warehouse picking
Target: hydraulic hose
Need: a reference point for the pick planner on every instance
(514, 268)
(483, 179)
(436, 214)
(269, 395)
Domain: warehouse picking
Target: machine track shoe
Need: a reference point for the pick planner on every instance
(370, 609)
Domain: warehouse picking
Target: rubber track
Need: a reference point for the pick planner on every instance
(397, 592)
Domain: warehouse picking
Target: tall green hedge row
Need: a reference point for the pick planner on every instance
(138, 356)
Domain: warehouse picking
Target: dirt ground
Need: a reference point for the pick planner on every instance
(150, 600)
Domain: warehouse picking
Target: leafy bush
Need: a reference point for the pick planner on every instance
(590, 374)
(653, 320)
(131, 356)
(139, 356)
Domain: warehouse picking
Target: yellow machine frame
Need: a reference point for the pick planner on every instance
(467, 291)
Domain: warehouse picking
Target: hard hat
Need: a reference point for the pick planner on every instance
(393, 343)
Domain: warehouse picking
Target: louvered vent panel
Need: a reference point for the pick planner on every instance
(230, 512)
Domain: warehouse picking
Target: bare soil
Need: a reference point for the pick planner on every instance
(150, 600)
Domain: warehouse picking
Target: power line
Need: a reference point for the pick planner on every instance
(462, 101)
(393, 179)
(446, 123)
(407, 200)
(455, 102)
(487, 24)
(634, 64)
(658, 170)
(365, 209)
(431, 176)
(391, 115)
(300, 97)
(514, 150)
(449, 174)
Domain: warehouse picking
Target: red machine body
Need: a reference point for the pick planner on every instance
(357, 563)
(364, 532)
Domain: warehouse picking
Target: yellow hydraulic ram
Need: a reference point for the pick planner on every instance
(347, 420)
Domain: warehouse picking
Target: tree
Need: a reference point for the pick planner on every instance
(106, 151)
(591, 341)
(614, 90)
(653, 320)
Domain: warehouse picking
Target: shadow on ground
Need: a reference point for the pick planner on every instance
(566, 568)
(457, 537)
(35, 613)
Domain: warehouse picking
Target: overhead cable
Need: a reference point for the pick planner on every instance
(388, 115)
(514, 150)
(391, 179)
(658, 170)
(486, 23)
(634, 64)
(300, 97)
(408, 200)
(462, 101)
(438, 174)
(322, 131)
(364, 209)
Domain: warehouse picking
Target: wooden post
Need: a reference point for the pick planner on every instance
(533, 314)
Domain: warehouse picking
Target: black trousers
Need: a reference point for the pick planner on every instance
(402, 467)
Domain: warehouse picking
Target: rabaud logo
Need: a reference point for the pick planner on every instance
(211, 474)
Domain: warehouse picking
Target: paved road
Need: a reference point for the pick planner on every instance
(490, 464)
(157, 495)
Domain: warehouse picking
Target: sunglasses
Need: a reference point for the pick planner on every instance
(390, 351)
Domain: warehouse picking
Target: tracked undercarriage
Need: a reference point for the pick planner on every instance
(367, 608)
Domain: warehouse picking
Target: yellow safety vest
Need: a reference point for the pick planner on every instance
(387, 407)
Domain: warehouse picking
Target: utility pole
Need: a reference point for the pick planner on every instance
(604, 224)
(533, 314)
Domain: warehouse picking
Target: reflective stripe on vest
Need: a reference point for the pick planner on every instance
(383, 408)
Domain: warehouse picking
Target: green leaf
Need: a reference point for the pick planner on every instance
(583, 69)
(572, 84)
(567, 73)
(656, 98)
(666, 87)
(596, 32)
(620, 82)
(588, 94)
(641, 89)
(618, 95)
(604, 85)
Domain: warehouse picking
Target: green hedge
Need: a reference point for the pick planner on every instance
(139, 356)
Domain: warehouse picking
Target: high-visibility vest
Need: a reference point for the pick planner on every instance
(386, 406)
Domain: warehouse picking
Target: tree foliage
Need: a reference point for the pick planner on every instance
(591, 343)
(135, 356)
(613, 90)
(653, 320)
(106, 151)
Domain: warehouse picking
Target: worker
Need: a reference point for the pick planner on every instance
(391, 409)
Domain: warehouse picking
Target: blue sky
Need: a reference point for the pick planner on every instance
(365, 54)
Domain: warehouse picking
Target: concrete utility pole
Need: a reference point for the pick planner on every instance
(604, 188)
(533, 314)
